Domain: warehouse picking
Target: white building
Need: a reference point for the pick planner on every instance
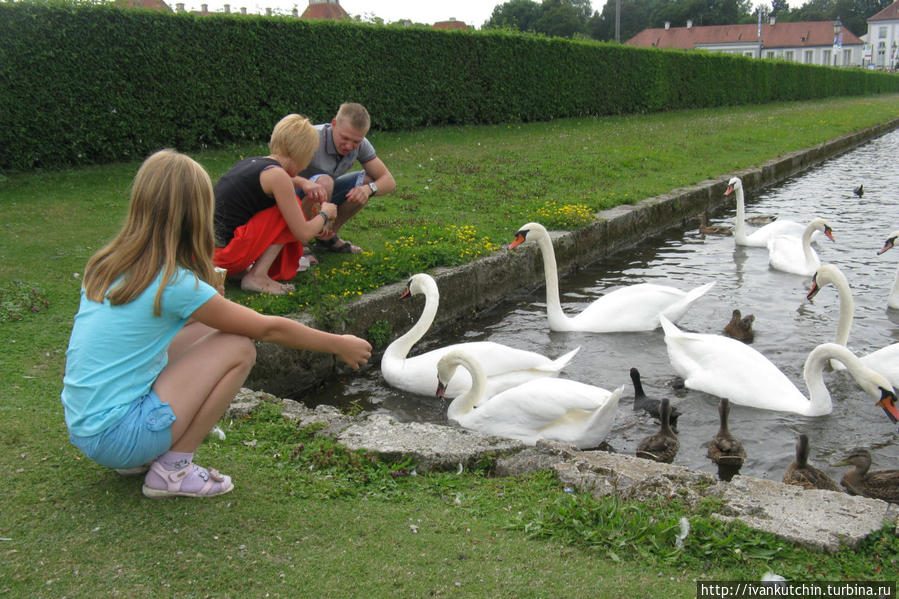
(816, 42)
(882, 49)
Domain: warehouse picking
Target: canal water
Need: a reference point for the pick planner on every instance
(787, 326)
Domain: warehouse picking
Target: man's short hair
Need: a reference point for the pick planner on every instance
(355, 115)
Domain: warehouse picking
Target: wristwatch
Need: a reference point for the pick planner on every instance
(373, 187)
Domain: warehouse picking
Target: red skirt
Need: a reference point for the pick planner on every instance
(264, 229)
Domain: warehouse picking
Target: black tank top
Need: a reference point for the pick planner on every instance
(239, 196)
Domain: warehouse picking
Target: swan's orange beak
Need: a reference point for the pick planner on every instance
(519, 239)
(888, 403)
(729, 190)
(814, 290)
(441, 389)
(829, 232)
(887, 246)
(406, 293)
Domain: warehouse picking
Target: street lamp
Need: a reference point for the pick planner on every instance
(837, 39)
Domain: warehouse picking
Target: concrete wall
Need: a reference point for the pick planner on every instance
(468, 290)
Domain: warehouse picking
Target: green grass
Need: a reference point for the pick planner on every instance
(307, 518)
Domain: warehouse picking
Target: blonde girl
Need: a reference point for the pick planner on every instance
(156, 353)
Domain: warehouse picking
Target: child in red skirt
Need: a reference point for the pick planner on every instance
(260, 226)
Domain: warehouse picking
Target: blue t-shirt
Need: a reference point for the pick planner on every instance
(116, 352)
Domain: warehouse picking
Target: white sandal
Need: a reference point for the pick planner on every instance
(174, 478)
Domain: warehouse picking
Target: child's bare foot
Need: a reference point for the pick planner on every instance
(264, 285)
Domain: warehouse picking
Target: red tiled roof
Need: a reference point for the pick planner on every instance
(779, 35)
(890, 12)
(324, 10)
(451, 24)
(157, 5)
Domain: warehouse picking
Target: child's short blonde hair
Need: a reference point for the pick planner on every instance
(294, 136)
(354, 115)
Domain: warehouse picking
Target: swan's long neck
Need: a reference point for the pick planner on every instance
(813, 374)
(402, 344)
(740, 220)
(847, 308)
(465, 403)
(807, 243)
(551, 271)
(893, 301)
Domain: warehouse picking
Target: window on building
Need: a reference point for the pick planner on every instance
(882, 32)
(847, 57)
(809, 56)
(748, 53)
(769, 54)
(825, 57)
(789, 55)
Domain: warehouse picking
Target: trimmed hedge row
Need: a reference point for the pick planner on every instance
(95, 83)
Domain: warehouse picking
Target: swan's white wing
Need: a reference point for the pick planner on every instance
(504, 366)
(526, 411)
(786, 253)
(885, 361)
(633, 308)
(725, 367)
(760, 237)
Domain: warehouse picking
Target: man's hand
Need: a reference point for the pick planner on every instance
(359, 195)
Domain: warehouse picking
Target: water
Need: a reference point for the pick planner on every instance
(787, 325)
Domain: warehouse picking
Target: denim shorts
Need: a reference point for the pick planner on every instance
(342, 185)
(142, 435)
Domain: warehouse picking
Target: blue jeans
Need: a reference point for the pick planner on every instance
(342, 185)
(142, 435)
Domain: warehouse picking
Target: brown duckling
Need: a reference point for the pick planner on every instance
(880, 484)
(663, 445)
(740, 327)
(724, 447)
(760, 220)
(707, 229)
(802, 474)
(649, 405)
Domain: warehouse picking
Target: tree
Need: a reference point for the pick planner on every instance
(515, 14)
(633, 18)
(561, 18)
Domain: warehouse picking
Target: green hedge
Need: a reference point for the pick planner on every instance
(95, 83)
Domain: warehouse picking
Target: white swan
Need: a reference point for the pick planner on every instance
(884, 360)
(551, 409)
(759, 237)
(629, 309)
(893, 300)
(728, 368)
(795, 254)
(505, 366)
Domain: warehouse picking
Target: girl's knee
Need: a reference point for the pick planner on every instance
(240, 348)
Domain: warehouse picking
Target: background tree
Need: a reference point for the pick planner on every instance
(562, 18)
(515, 14)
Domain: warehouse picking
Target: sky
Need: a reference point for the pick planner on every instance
(472, 12)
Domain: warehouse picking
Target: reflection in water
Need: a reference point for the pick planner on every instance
(787, 326)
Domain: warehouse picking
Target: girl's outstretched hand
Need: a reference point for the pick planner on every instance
(354, 350)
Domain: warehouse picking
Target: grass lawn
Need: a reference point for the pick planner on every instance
(308, 519)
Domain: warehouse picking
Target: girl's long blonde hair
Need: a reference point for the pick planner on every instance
(169, 224)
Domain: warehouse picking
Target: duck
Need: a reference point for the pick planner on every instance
(795, 254)
(725, 449)
(859, 191)
(706, 229)
(893, 299)
(760, 237)
(802, 474)
(740, 327)
(553, 409)
(663, 445)
(725, 367)
(879, 484)
(505, 366)
(884, 360)
(628, 309)
(649, 405)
